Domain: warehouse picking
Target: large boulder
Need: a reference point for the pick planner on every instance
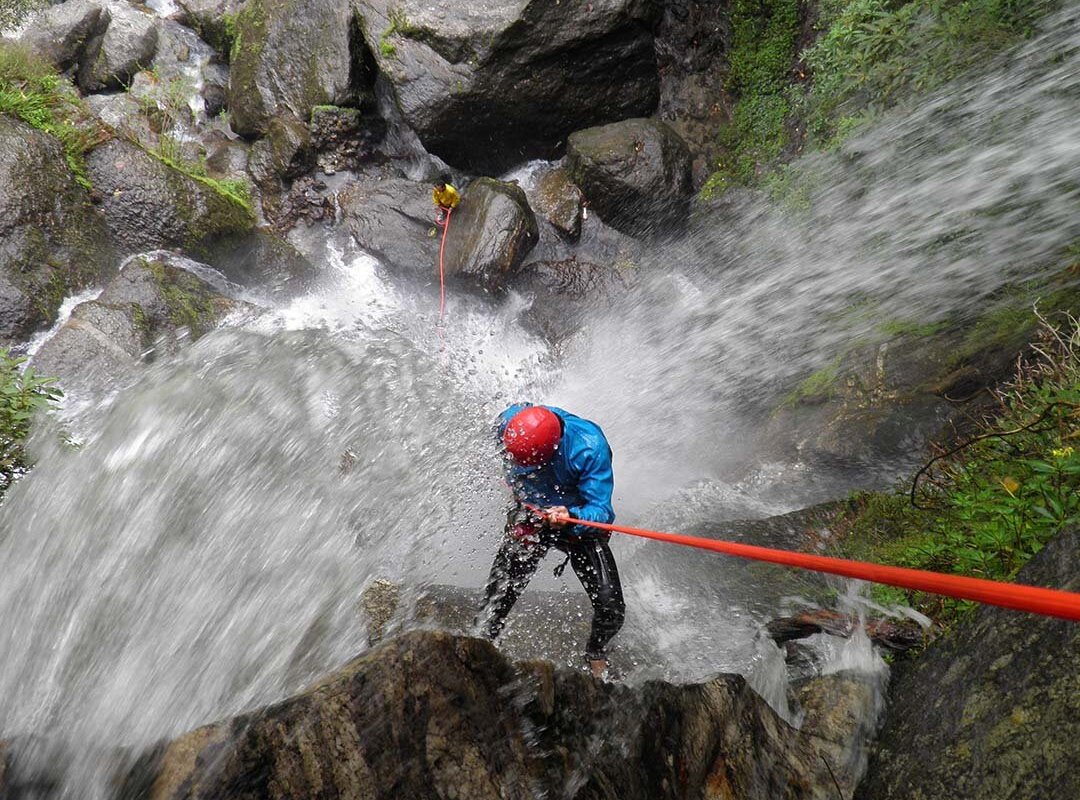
(436, 716)
(289, 56)
(213, 20)
(491, 231)
(394, 220)
(488, 84)
(144, 312)
(62, 33)
(149, 204)
(993, 710)
(559, 200)
(635, 174)
(262, 261)
(565, 293)
(127, 45)
(52, 240)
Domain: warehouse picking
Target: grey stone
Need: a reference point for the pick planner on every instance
(392, 219)
(565, 293)
(491, 231)
(635, 174)
(52, 240)
(489, 84)
(127, 45)
(61, 33)
(150, 205)
(559, 201)
(213, 20)
(290, 56)
(992, 710)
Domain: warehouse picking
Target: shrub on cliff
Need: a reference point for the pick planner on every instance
(22, 394)
(986, 507)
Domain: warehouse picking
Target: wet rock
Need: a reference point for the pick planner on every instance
(213, 20)
(393, 219)
(62, 33)
(692, 43)
(52, 240)
(490, 84)
(896, 636)
(992, 710)
(491, 231)
(345, 137)
(429, 714)
(871, 403)
(635, 174)
(128, 44)
(285, 153)
(144, 312)
(149, 204)
(565, 293)
(261, 260)
(559, 201)
(289, 56)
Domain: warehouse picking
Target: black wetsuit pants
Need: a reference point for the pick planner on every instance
(593, 563)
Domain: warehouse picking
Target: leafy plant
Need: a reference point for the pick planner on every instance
(32, 91)
(985, 509)
(23, 393)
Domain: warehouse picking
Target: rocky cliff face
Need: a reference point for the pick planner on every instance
(993, 711)
(429, 715)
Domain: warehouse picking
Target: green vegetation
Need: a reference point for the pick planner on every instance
(187, 300)
(817, 387)
(869, 56)
(400, 26)
(32, 91)
(763, 36)
(22, 394)
(986, 509)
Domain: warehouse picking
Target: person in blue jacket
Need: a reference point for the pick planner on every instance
(558, 466)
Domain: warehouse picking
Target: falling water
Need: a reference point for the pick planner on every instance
(204, 549)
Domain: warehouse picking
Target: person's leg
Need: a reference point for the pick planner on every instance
(514, 565)
(595, 567)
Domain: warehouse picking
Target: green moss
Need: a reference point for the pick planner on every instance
(399, 26)
(873, 54)
(187, 300)
(32, 91)
(905, 327)
(816, 387)
(763, 36)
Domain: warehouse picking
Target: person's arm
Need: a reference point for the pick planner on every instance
(453, 196)
(595, 486)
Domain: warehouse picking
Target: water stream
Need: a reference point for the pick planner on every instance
(204, 549)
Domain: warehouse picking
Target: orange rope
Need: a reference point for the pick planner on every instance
(442, 279)
(1034, 599)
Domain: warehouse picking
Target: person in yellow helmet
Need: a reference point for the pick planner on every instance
(445, 197)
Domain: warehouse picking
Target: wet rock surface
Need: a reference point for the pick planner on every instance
(559, 201)
(289, 56)
(565, 293)
(992, 710)
(345, 137)
(62, 33)
(490, 232)
(127, 45)
(52, 240)
(434, 715)
(394, 220)
(148, 204)
(635, 174)
(152, 305)
(491, 84)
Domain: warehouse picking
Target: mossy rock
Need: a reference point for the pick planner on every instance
(52, 239)
(150, 204)
(288, 57)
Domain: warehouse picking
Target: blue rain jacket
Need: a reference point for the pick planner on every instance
(578, 477)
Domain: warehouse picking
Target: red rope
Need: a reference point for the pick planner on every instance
(1048, 602)
(442, 279)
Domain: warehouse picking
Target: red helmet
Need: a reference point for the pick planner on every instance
(532, 435)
